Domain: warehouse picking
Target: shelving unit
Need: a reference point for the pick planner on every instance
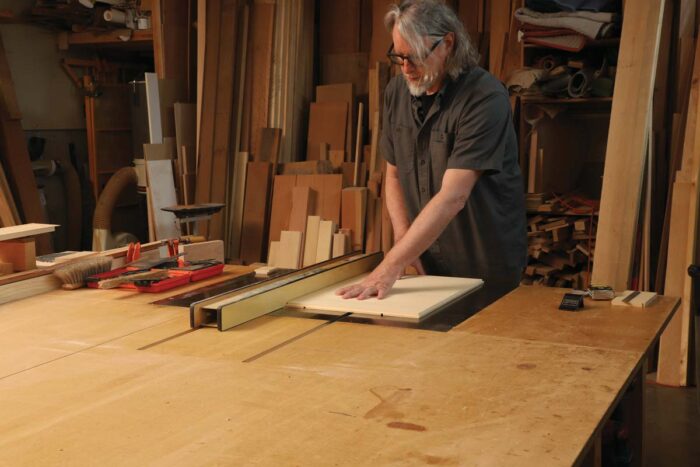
(562, 148)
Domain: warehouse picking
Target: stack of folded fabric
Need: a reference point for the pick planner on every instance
(567, 24)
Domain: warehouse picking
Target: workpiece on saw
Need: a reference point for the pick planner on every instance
(411, 298)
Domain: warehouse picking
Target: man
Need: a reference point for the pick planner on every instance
(453, 185)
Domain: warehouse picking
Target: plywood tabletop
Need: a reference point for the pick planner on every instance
(40, 329)
(532, 313)
(520, 384)
(345, 395)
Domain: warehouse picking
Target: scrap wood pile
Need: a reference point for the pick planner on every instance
(560, 247)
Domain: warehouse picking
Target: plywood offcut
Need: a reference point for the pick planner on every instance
(411, 298)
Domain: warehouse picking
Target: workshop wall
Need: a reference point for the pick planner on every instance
(39, 81)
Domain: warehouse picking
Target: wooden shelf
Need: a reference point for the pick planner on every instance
(610, 42)
(139, 37)
(565, 213)
(564, 100)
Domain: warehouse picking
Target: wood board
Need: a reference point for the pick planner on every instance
(327, 124)
(289, 254)
(254, 230)
(269, 145)
(341, 68)
(411, 298)
(303, 198)
(281, 204)
(324, 244)
(343, 92)
(354, 213)
(25, 230)
(224, 117)
(161, 194)
(155, 126)
(9, 215)
(238, 190)
(311, 240)
(627, 143)
(258, 75)
(339, 28)
(185, 135)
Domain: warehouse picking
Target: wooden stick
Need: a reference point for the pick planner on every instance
(358, 146)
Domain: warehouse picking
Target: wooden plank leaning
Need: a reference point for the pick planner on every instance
(627, 145)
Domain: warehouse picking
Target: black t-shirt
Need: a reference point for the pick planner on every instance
(425, 103)
(469, 126)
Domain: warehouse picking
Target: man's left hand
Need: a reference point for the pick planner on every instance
(378, 283)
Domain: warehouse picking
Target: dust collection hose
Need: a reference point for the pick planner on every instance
(102, 220)
(71, 184)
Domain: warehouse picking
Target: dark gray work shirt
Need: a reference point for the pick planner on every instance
(469, 126)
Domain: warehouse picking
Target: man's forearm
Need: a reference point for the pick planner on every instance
(434, 217)
(423, 232)
(396, 206)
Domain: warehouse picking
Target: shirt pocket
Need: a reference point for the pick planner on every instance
(440, 146)
(404, 148)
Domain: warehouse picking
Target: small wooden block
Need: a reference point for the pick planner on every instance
(340, 244)
(21, 253)
(311, 240)
(264, 271)
(303, 200)
(289, 254)
(273, 253)
(640, 300)
(326, 230)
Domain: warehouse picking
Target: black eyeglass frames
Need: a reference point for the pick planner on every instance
(398, 59)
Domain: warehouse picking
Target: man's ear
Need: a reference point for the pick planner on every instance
(449, 41)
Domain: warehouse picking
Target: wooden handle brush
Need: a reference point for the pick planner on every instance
(73, 275)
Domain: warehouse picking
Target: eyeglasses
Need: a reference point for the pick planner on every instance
(398, 59)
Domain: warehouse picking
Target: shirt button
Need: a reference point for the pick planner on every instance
(422, 189)
(422, 162)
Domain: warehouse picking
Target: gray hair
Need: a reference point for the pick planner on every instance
(417, 19)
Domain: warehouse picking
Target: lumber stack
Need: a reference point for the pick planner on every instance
(682, 230)
(255, 66)
(561, 242)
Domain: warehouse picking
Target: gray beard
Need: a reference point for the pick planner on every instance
(422, 87)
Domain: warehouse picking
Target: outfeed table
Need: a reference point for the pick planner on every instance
(101, 377)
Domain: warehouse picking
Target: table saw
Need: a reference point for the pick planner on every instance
(105, 377)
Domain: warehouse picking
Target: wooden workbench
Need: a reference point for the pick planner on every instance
(96, 377)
